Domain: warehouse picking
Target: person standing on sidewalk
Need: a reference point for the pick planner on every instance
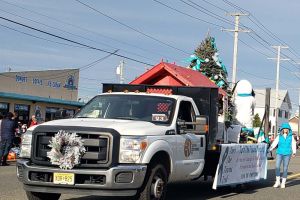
(8, 127)
(286, 148)
(1, 117)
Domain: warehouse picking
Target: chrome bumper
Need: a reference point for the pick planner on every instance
(111, 187)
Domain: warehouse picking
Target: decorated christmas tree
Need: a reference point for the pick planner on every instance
(213, 67)
(206, 60)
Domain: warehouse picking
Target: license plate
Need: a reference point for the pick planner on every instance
(63, 178)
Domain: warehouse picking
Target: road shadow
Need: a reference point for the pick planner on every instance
(203, 190)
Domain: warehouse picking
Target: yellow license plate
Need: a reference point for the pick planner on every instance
(64, 178)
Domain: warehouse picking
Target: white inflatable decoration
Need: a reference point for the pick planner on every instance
(244, 104)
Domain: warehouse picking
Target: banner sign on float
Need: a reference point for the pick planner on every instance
(241, 163)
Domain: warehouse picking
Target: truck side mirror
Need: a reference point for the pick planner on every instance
(201, 125)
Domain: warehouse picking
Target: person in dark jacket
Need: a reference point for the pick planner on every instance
(8, 127)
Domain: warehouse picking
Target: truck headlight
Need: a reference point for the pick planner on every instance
(132, 149)
(26, 145)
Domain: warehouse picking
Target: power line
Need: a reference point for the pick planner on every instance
(206, 11)
(262, 27)
(215, 6)
(186, 14)
(41, 38)
(72, 41)
(76, 35)
(56, 75)
(191, 16)
(132, 28)
(83, 29)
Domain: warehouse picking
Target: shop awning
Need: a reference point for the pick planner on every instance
(40, 99)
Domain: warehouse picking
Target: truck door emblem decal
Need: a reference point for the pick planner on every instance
(187, 147)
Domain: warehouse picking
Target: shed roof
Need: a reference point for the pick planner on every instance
(171, 74)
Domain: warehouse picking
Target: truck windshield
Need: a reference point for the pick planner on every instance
(129, 107)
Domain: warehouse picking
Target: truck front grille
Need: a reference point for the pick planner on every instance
(97, 147)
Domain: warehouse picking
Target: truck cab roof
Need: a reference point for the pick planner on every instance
(176, 97)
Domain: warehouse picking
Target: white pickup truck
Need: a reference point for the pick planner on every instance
(136, 143)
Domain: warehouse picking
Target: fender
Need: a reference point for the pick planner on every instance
(156, 146)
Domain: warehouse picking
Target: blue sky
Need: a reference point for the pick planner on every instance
(74, 21)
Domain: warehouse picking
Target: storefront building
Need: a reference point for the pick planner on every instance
(40, 93)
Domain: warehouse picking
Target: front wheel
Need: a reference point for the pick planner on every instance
(42, 196)
(155, 187)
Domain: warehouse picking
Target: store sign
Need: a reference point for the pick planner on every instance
(54, 84)
(37, 81)
(21, 78)
(69, 84)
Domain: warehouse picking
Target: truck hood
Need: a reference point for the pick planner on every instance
(124, 127)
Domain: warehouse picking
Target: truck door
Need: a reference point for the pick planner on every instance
(190, 146)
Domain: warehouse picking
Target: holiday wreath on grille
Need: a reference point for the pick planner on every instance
(66, 150)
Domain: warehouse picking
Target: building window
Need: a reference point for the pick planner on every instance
(273, 127)
(50, 113)
(23, 113)
(279, 113)
(286, 115)
(4, 108)
(274, 111)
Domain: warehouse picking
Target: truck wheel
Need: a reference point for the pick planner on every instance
(155, 187)
(42, 196)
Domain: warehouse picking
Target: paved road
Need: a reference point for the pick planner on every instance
(11, 189)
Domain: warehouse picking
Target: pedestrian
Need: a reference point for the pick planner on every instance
(286, 148)
(32, 121)
(8, 127)
(1, 117)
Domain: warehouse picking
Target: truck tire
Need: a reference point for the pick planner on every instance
(155, 185)
(42, 196)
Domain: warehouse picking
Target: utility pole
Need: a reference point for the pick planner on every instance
(120, 71)
(299, 115)
(267, 112)
(298, 75)
(278, 59)
(235, 46)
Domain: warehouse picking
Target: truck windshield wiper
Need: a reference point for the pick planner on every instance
(82, 117)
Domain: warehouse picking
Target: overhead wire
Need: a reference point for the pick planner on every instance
(249, 46)
(186, 14)
(198, 7)
(73, 34)
(72, 41)
(268, 32)
(132, 28)
(41, 38)
(83, 28)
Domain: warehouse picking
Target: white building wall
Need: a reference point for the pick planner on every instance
(281, 120)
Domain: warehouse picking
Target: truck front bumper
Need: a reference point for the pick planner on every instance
(122, 180)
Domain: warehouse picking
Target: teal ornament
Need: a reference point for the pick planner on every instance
(197, 62)
(213, 43)
(220, 83)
